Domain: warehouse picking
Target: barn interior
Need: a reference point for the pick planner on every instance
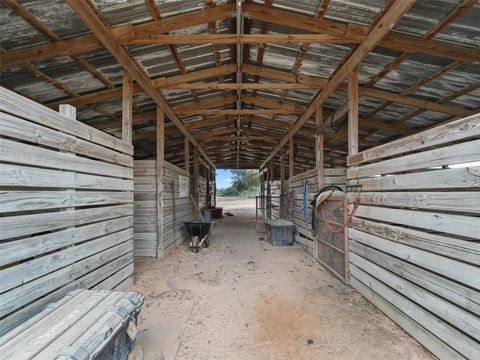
(115, 116)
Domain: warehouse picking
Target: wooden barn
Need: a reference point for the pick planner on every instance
(361, 119)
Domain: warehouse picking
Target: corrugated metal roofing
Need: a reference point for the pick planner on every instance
(319, 60)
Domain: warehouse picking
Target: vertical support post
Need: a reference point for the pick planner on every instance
(127, 104)
(353, 113)
(160, 163)
(196, 170)
(214, 189)
(291, 160)
(319, 146)
(187, 154)
(283, 190)
(282, 171)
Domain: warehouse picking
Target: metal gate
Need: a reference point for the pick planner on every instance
(331, 240)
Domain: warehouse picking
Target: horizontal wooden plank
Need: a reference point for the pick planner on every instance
(22, 225)
(13, 251)
(27, 271)
(453, 154)
(20, 129)
(145, 180)
(460, 225)
(145, 164)
(425, 337)
(459, 178)
(145, 187)
(462, 129)
(26, 176)
(456, 339)
(453, 291)
(138, 171)
(453, 269)
(24, 200)
(145, 236)
(176, 169)
(453, 201)
(465, 251)
(20, 106)
(22, 295)
(304, 175)
(19, 153)
(452, 314)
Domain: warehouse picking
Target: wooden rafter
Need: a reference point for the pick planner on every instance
(374, 37)
(394, 41)
(87, 14)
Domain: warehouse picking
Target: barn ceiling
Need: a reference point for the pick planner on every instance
(425, 72)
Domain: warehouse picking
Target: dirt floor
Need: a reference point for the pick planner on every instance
(244, 299)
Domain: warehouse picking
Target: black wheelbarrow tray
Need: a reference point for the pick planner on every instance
(199, 232)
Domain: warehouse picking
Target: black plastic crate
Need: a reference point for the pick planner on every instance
(280, 232)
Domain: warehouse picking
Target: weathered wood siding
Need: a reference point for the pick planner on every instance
(415, 238)
(145, 220)
(334, 176)
(174, 210)
(279, 200)
(66, 206)
(202, 192)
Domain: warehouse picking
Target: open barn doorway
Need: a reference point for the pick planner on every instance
(237, 190)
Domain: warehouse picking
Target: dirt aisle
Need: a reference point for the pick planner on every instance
(244, 299)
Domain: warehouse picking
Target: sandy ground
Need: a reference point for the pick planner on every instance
(244, 299)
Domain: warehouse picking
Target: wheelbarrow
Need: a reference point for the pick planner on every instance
(199, 232)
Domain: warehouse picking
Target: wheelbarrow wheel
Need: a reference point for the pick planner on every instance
(195, 242)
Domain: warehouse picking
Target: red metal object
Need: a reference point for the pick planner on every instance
(217, 212)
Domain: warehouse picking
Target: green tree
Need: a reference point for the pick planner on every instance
(244, 183)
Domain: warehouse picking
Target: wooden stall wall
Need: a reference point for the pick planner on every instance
(66, 206)
(145, 213)
(279, 200)
(202, 192)
(176, 208)
(415, 238)
(333, 176)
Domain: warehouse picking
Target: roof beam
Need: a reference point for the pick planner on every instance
(216, 39)
(351, 31)
(122, 34)
(239, 112)
(362, 90)
(88, 15)
(159, 83)
(374, 37)
(241, 86)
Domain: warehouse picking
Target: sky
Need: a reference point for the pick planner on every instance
(224, 178)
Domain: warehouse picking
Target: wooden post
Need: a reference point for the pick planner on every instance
(187, 154)
(291, 160)
(353, 113)
(196, 170)
(214, 189)
(160, 163)
(127, 103)
(319, 146)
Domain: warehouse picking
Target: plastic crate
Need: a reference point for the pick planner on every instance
(280, 232)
